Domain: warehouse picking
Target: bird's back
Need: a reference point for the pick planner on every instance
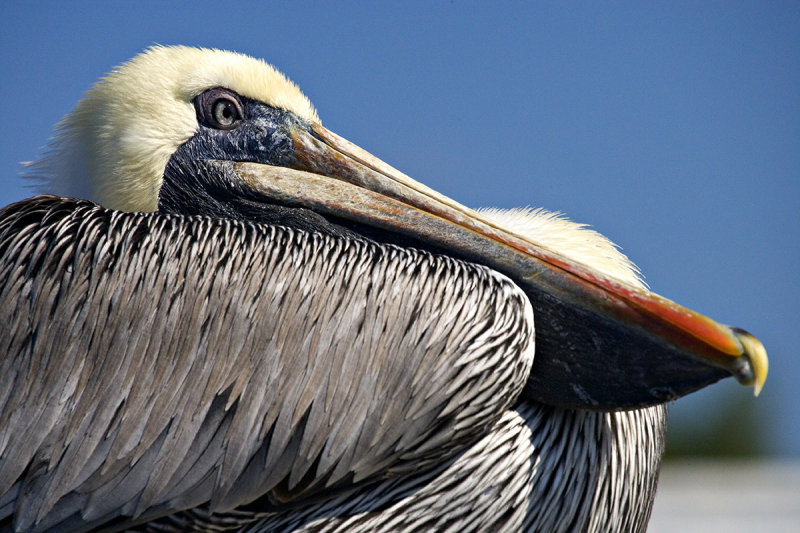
(157, 363)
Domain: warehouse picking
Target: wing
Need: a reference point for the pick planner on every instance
(155, 363)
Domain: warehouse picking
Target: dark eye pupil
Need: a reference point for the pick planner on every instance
(225, 112)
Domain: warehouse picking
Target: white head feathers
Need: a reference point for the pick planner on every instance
(113, 147)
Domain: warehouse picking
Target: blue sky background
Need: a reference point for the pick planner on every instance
(673, 128)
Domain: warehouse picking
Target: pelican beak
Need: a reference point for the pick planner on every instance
(600, 343)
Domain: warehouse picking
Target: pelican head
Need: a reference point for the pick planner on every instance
(113, 147)
(216, 133)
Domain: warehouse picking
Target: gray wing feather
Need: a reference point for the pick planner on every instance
(155, 363)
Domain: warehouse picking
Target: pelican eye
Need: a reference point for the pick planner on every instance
(219, 108)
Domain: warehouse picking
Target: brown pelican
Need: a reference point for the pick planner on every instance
(256, 325)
